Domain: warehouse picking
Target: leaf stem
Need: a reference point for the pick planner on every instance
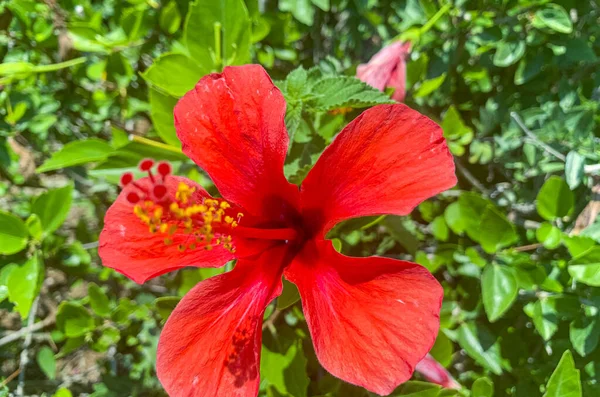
(150, 142)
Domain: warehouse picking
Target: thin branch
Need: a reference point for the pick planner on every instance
(24, 360)
(472, 180)
(10, 377)
(30, 329)
(533, 137)
(271, 319)
(527, 247)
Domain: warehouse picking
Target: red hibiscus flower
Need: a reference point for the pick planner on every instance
(371, 319)
(387, 68)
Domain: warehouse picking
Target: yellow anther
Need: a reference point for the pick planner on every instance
(172, 229)
(168, 241)
(158, 213)
(208, 247)
(234, 224)
(224, 205)
(181, 247)
(192, 246)
(152, 229)
(163, 227)
(228, 219)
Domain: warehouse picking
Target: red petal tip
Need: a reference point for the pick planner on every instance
(164, 168)
(133, 197)
(146, 164)
(126, 179)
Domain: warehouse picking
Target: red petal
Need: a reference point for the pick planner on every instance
(210, 345)
(127, 245)
(436, 373)
(232, 125)
(386, 161)
(371, 319)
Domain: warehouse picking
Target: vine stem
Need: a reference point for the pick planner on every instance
(24, 359)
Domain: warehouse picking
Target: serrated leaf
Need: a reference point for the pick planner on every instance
(174, 74)
(343, 92)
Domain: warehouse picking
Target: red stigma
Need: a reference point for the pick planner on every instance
(159, 191)
(163, 169)
(146, 164)
(126, 179)
(133, 197)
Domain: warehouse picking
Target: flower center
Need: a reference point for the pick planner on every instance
(204, 222)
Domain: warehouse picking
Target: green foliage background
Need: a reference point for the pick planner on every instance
(87, 89)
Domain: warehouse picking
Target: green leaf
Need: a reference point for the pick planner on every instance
(574, 169)
(74, 320)
(415, 388)
(496, 231)
(546, 317)
(302, 10)
(175, 74)
(565, 380)
(34, 227)
(13, 234)
(428, 86)
(499, 289)
(4, 273)
(555, 199)
(52, 207)
(508, 53)
(439, 229)
(554, 17)
(23, 286)
(584, 333)
(77, 153)
(210, 23)
(442, 350)
(585, 268)
(289, 295)
(342, 92)
(46, 361)
(481, 345)
(549, 235)
(165, 305)
(170, 18)
(456, 131)
(161, 113)
(98, 300)
(286, 372)
(482, 387)
(63, 392)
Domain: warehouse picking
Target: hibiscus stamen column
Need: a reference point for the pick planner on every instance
(201, 222)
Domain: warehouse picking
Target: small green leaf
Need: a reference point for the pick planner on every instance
(13, 234)
(416, 388)
(439, 229)
(52, 207)
(302, 10)
(482, 387)
(584, 333)
(499, 289)
(77, 153)
(549, 235)
(170, 18)
(289, 295)
(585, 267)
(63, 392)
(286, 372)
(165, 305)
(34, 227)
(565, 380)
(428, 86)
(574, 169)
(46, 361)
(481, 345)
(555, 199)
(496, 231)
(23, 285)
(4, 273)
(545, 317)
(98, 300)
(74, 320)
(161, 113)
(508, 52)
(555, 17)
